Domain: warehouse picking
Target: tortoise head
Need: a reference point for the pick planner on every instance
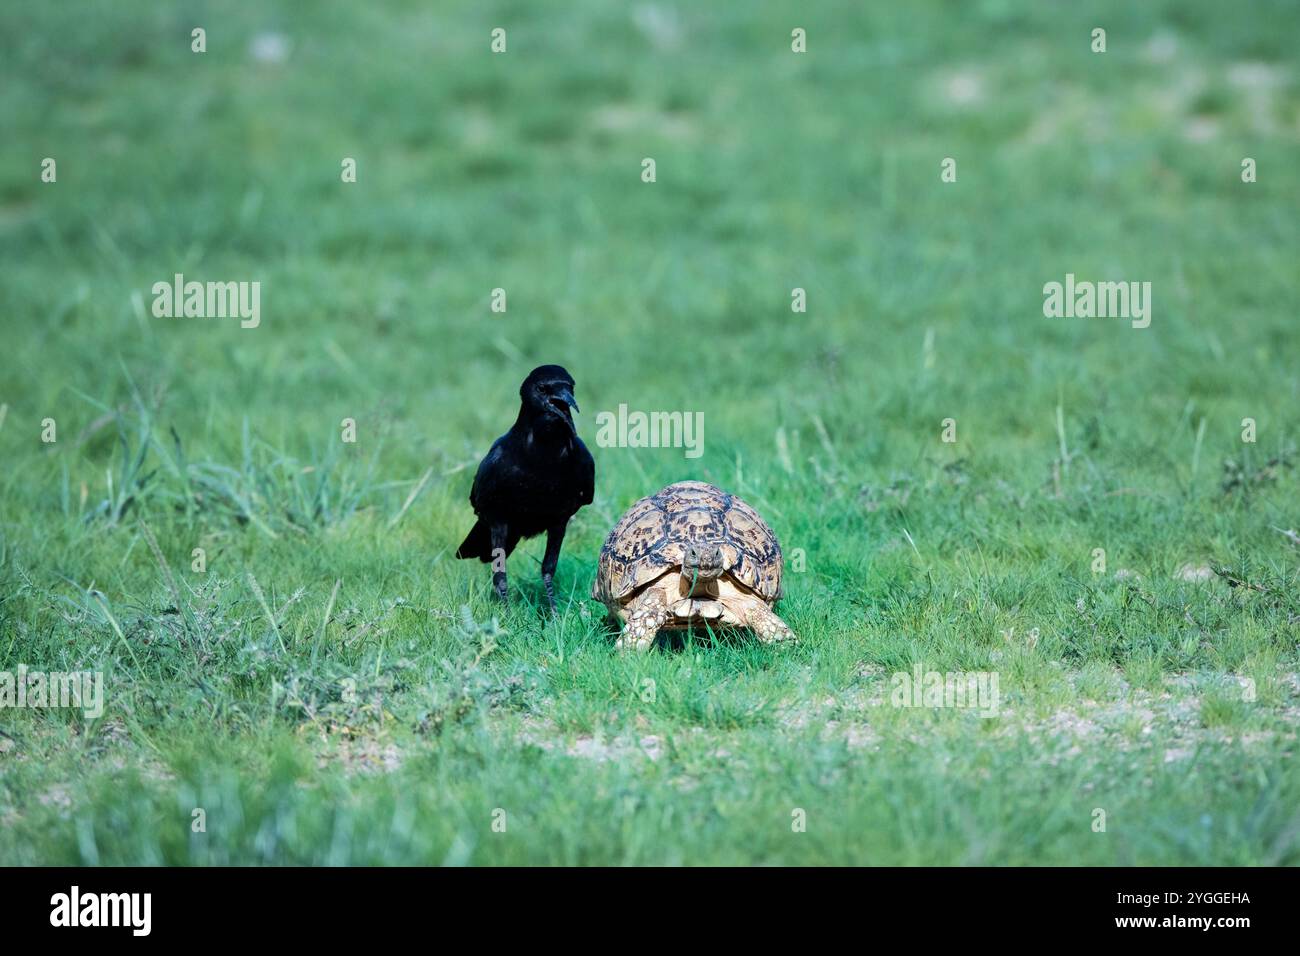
(702, 561)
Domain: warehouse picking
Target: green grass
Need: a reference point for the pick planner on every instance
(335, 688)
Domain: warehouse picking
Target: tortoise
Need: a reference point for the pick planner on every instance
(688, 555)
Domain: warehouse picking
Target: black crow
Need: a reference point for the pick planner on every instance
(534, 479)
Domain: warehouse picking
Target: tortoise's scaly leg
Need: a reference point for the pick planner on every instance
(644, 618)
(753, 613)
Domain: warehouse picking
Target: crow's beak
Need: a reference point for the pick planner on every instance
(561, 400)
(566, 396)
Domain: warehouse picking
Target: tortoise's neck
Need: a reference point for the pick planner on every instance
(695, 583)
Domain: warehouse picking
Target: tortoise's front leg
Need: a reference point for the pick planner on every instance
(645, 616)
(764, 622)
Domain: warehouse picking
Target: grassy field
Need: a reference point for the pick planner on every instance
(334, 688)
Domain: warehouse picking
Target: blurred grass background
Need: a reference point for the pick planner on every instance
(774, 171)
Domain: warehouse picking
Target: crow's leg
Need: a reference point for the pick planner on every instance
(554, 538)
(500, 535)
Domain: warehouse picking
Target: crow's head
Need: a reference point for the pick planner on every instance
(547, 394)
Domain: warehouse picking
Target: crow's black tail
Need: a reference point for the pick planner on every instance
(477, 544)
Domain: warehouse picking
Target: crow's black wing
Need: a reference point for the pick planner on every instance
(488, 477)
(586, 475)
